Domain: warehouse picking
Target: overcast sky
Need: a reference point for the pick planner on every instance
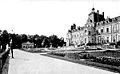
(47, 17)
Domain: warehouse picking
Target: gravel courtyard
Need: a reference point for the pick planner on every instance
(34, 63)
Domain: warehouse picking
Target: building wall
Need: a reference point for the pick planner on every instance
(68, 39)
(99, 31)
(110, 33)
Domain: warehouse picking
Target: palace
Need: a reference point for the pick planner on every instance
(97, 30)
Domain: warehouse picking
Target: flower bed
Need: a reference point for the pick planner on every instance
(90, 57)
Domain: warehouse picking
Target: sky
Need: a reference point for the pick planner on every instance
(48, 17)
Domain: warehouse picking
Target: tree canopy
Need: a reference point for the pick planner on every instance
(38, 40)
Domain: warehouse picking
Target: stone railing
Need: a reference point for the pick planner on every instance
(4, 56)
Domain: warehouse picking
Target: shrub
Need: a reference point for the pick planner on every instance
(79, 56)
(108, 60)
(57, 54)
(73, 56)
(86, 56)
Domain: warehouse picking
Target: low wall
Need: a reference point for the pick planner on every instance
(4, 57)
(66, 48)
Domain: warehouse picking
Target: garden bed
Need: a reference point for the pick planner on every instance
(108, 60)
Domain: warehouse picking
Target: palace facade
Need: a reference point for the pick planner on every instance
(96, 30)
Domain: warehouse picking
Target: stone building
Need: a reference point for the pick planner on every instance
(96, 30)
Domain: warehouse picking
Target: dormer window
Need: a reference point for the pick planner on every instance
(98, 24)
(78, 28)
(110, 20)
(115, 19)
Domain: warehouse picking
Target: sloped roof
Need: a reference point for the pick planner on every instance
(27, 43)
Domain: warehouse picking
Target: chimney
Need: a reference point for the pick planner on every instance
(93, 9)
(103, 14)
(98, 11)
(71, 27)
(74, 26)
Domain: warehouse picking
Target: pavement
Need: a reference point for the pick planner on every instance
(34, 63)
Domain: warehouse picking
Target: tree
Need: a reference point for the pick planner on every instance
(61, 42)
(36, 40)
(4, 39)
(24, 38)
(46, 42)
(54, 40)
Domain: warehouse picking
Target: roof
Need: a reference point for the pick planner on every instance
(27, 43)
(108, 21)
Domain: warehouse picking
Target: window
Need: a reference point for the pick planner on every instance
(107, 39)
(107, 29)
(97, 31)
(99, 39)
(92, 40)
(89, 33)
(114, 28)
(114, 39)
(91, 21)
(110, 20)
(116, 19)
(23, 46)
(85, 40)
(77, 35)
(85, 31)
(107, 22)
(101, 30)
(98, 24)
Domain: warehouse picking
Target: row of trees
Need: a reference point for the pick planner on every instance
(39, 41)
(44, 41)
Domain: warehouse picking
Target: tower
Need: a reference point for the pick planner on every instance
(94, 17)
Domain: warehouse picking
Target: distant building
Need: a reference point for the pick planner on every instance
(27, 45)
(96, 30)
